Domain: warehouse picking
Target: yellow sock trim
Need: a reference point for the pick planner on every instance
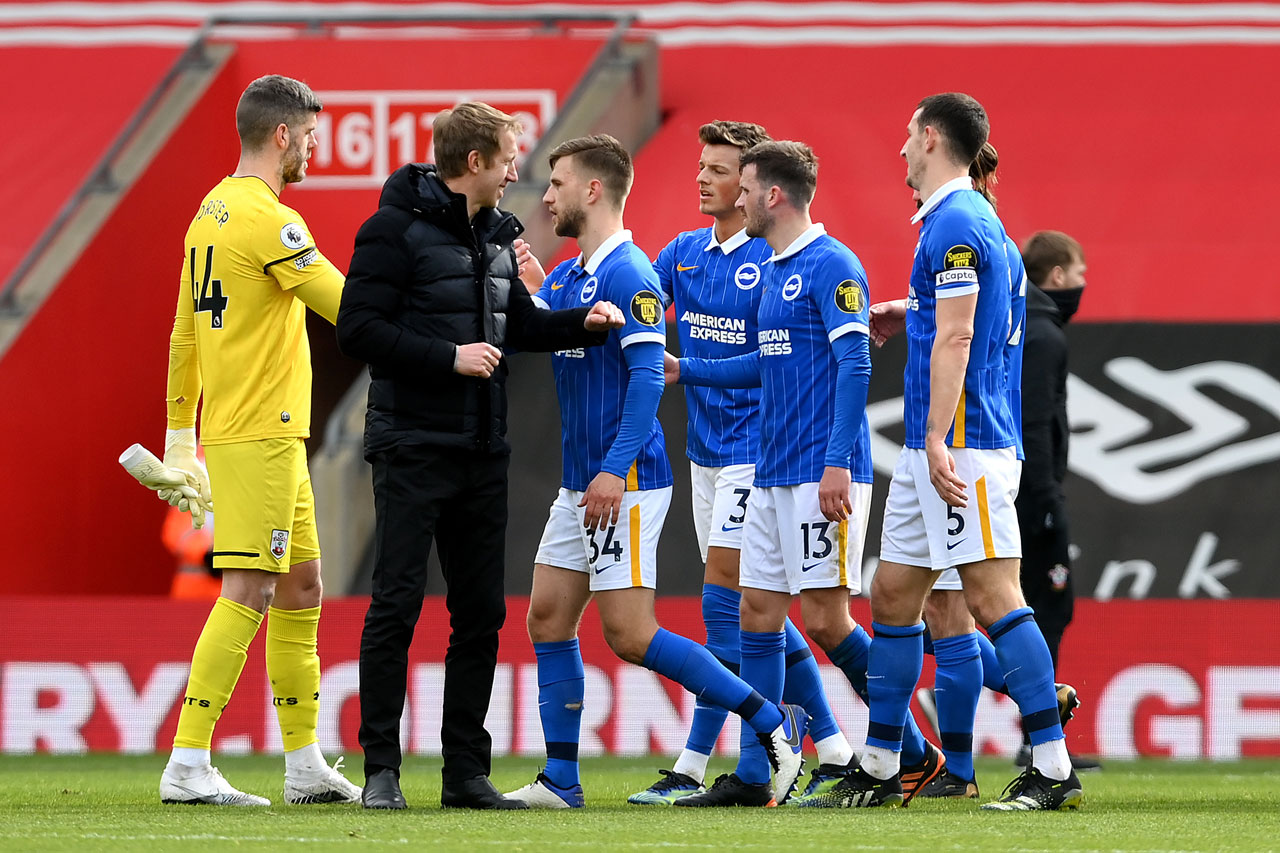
(294, 669)
(216, 663)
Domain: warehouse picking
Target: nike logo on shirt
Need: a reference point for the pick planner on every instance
(683, 268)
(727, 529)
(557, 285)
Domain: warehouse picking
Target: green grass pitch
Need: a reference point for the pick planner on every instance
(109, 802)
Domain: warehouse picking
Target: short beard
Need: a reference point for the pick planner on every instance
(292, 170)
(570, 221)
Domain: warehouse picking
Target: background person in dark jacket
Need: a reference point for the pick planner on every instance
(1055, 272)
(432, 297)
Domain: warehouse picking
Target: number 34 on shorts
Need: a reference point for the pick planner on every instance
(619, 556)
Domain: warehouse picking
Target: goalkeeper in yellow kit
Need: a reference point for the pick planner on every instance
(249, 272)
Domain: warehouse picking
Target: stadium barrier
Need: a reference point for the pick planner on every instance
(1158, 678)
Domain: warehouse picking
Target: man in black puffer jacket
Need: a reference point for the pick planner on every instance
(432, 298)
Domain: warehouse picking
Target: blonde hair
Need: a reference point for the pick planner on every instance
(469, 126)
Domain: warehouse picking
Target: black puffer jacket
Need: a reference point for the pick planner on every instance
(423, 281)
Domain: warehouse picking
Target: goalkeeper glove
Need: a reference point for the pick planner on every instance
(170, 485)
(181, 480)
(180, 455)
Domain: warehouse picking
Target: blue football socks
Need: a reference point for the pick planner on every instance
(720, 615)
(957, 685)
(992, 674)
(803, 685)
(852, 657)
(764, 668)
(893, 668)
(693, 667)
(560, 691)
(1024, 657)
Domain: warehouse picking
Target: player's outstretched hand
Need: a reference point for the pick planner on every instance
(670, 368)
(604, 316)
(833, 494)
(942, 473)
(887, 319)
(603, 501)
(478, 359)
(528, 266)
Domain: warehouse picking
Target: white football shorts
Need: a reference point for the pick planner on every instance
(921, 529)
(619, 556)
(720, 504)
(788, 544)
(948, 579)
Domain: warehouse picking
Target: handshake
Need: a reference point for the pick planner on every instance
(181, 479)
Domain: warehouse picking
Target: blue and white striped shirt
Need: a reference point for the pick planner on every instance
(592, 382)
(716, 290)
(962, 250)
(815, 292)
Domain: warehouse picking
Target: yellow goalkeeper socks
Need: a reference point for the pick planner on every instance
(294, 669)
(216, 663)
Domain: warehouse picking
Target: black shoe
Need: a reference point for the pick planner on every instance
(1022, 758)
(949, 786)
(729, 790)
(1082, 762)
(382, 791)
(1068, 701)
(858, 790)
(1033, 791)
(915, 776)
(476, 793)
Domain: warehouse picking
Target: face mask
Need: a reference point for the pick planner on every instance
(1068, 301)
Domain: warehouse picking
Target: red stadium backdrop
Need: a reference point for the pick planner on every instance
(1158, 678)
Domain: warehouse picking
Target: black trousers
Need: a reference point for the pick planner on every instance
(1046, 579)
(459, 500)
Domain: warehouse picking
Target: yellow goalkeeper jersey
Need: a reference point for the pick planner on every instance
(239, 333)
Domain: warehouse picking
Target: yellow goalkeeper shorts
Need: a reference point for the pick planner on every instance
(264, 510)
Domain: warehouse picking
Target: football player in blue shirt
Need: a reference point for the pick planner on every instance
(807, 512)
(602, 535)
(962, 436)
(713, 275)
(966, 660)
